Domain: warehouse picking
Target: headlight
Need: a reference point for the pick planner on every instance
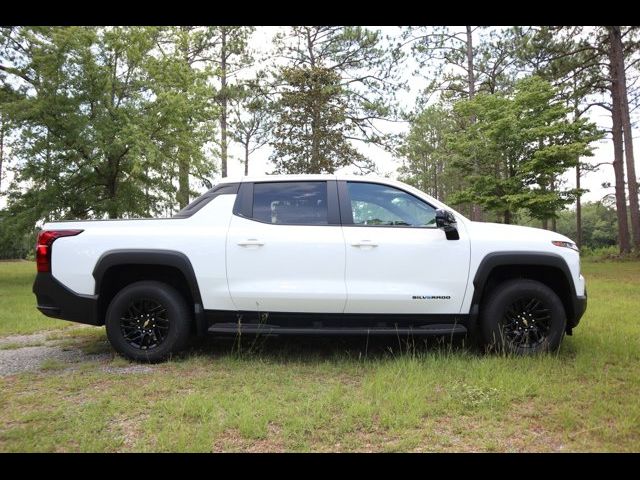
(562, 243)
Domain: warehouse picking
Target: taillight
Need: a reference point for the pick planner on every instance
(43, 247)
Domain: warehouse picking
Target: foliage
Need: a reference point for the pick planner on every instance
(251, 121)
(230, 55)
(16, 240)
(455, 69)
(179, 81)
(102, 119)
(123, 121)
(516, 147)
(594, 67)
(427, 155)
(81, 120)
(599, 224)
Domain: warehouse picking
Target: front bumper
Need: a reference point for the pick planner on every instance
(57, 301)
(579, 307)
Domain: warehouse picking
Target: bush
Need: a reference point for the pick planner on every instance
(599, 252)
(16, 241)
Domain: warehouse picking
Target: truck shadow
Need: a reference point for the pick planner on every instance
(312, 348)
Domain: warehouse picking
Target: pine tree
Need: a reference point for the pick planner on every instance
(337, 85)
(230, 55)
(251, 120)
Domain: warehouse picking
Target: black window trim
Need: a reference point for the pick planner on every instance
(198, 203)
(346, 212)
(243, 206)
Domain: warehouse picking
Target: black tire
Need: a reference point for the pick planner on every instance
(522, 317)
(148, 321)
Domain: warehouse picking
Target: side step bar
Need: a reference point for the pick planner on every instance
(256, 328)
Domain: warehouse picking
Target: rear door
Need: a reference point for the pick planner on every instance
(285, 248)
(397, 261)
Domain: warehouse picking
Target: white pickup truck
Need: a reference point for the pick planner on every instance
(310, 254)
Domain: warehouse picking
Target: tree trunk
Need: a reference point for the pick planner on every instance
(246, 158)
(112, 208)
(618, 167)
(507, 216)
(632, 183)
(576, 114)
(435, 181)
(223, 102)
(316, 161)
(476, 211)
(184, 162)
(470, 72)
(183, 182)
(578, 209)
(553, 219)
(545, 224)
(1, 149)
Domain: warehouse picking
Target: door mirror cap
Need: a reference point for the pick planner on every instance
(447, 222)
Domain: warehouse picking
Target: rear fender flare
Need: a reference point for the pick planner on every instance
(168, 258)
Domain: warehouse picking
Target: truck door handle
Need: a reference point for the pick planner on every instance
(251, 242)
(364, 243)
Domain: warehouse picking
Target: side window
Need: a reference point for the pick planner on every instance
(291, 203)
(380, 205)
(202, 200)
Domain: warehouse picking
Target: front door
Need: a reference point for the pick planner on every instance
(285, 248)
(397, 261)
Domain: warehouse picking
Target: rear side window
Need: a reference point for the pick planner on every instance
(204, 199)
(291, 203)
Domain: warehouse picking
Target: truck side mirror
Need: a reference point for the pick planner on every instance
(447, 222)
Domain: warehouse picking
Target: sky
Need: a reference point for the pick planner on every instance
(386, 163)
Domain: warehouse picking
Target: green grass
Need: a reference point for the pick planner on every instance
(333, 394)
(18, 313)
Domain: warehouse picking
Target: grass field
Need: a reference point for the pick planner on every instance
(17, 302)
(287, 394)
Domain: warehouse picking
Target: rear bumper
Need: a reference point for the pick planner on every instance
(57, 301)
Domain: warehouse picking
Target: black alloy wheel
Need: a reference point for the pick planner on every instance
(148, 321)
(145, 324)
(522, 316)
(526, 322)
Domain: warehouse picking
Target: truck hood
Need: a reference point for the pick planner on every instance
(501, 231)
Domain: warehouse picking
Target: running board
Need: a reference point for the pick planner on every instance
(434, 329)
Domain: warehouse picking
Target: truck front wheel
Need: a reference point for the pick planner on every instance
(523, 316)
(148, 321)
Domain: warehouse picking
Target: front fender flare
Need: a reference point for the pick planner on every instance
(524, 259)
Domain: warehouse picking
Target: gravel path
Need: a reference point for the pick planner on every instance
(18, 360)
(24, 353)
(39, 337)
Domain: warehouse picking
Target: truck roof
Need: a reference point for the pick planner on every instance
(302, 177)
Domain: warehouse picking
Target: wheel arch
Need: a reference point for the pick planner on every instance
(548, 268)
(116, 269)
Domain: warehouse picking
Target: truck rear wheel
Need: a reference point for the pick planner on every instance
(523, 317)
(148, 321)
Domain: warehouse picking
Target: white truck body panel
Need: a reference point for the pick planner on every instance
(286, 268)
(201, 238)
(310, 268)
(401, 263)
